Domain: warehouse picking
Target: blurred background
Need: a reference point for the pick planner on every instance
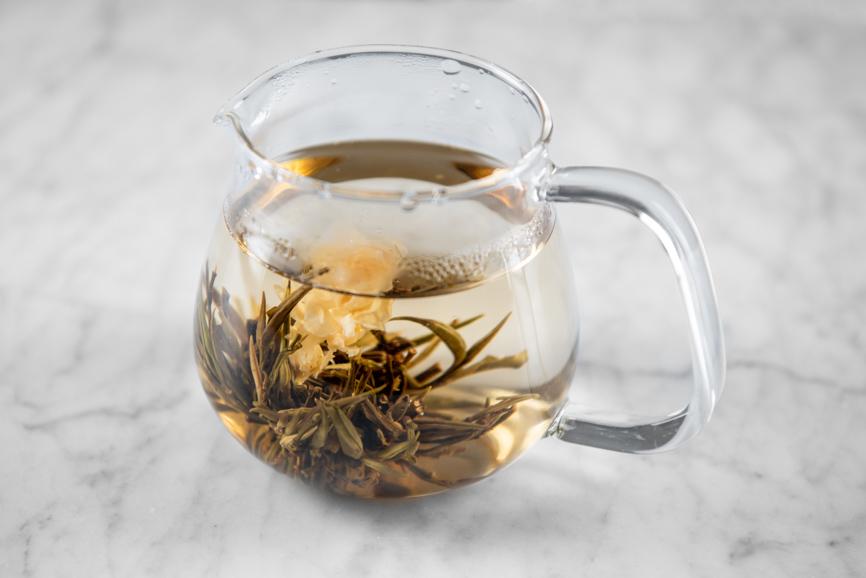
(111, 176)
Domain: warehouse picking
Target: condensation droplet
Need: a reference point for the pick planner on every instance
(451, 96)
(464, 87)
(450, 66)
(438, 196)
(481, 71)
(408, 201)
(333, 81)
(478, 103)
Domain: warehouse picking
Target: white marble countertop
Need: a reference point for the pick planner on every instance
(113, 464)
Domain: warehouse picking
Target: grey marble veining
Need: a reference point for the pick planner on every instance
(113, 464)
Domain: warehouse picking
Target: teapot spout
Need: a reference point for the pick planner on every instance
(225, 117)
(221, 118)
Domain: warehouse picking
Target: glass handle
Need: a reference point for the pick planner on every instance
(660, 210)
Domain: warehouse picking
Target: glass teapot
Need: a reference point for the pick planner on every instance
(387, 309)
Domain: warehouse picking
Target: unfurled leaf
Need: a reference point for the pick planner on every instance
(353, 399)
(424, 353)
(479, 345)
(505, 403)
(375, 415)
(375, 465)
(347, 434)
(443, 331)
(261, 322)
(396, 449)
(231, 317)
(321, 435)
(455, 324)
(428, 374)
(257, 372)
(492, 362)
(283, 311)
(434, 423)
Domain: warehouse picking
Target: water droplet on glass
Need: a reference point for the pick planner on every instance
(511, 90)
(451, 96)
(481, 71)
(464, 87)
(438, 196)
(333, 81)
(453, 85)
(408, 201)
(478, 103)
(450, 66)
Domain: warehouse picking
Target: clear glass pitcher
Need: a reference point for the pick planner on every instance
(387, 309)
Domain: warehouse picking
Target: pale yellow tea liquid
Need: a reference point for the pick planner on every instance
(343, 391)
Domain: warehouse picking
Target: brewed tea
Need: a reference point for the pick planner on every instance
(333, 375)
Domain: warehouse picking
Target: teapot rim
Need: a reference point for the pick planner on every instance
(278, 172)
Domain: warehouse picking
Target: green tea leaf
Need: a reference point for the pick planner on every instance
(350, 440)
(490, 362)
(257, 372)
(434, 423)
(283, 311)
(322, 432)
(397, 449)
(455, 324)
(375, 415)
(505, 403)
(375, 465)
(443, 331)
(484, 341)
(260, 325)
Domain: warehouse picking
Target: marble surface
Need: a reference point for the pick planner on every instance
(113, 464)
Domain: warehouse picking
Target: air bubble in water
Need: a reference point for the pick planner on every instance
(450, 66)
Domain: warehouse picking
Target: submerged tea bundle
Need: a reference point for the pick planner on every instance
(367, 368)
(321, 389)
